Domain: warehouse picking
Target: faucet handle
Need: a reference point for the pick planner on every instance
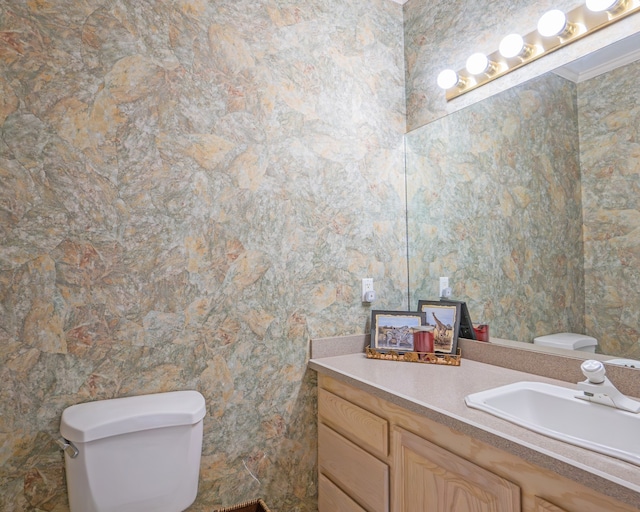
(594, 371)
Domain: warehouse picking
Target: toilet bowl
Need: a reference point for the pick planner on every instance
(134, 454)
(568, 341)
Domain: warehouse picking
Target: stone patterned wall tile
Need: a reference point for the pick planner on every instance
(193, 190)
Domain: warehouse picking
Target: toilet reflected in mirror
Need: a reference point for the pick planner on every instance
(568, 341)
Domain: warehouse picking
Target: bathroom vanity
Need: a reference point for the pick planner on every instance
(398, 437)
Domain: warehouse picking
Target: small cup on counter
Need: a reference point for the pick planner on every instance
(482, 331)
(423, 338)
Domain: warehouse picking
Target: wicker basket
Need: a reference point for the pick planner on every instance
(247, 506)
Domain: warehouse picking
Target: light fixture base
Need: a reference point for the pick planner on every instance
(580, 22)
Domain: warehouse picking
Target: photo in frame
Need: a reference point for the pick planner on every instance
(393, 330)
(445, 318)
(466, 326)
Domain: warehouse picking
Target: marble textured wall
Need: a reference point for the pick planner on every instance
(190, 190)
(494, 202)
(610, 161)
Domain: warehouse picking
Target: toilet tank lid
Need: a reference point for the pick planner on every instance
(104, 418)
(569, 340)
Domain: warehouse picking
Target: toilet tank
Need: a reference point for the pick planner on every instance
(135, 454)
(568, 341)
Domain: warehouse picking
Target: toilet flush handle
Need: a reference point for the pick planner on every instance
(67, 447)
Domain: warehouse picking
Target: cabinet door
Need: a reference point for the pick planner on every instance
(428, 478)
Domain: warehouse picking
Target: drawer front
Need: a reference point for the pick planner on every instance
(543, 505)
(355, 423)
(356, 472)
(332, 499)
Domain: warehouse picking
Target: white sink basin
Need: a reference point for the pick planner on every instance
(630, 363)
(555, 412)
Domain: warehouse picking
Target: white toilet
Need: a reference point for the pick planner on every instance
(134, 454)
(568, 341)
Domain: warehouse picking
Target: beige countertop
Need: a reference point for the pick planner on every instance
(438, 392)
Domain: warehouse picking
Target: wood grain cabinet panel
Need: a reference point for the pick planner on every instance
(429, 478)
(542, 505)
(440, 470)
(357, 424)
(358, 473)
(332, 499)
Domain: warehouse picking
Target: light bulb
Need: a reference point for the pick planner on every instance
(447, 79)
(602, 5)
(552, 23)
(477, 63)
(511, 46)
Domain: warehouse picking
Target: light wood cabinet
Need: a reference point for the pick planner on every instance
(543, 506)
(352, 469)
(427, 477)
(331, 497)
(355, 423)
(376, 456)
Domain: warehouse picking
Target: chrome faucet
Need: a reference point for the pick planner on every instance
(600, 390)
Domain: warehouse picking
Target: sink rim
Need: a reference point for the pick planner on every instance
(478, 401)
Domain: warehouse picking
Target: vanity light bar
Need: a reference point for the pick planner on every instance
(555, 30)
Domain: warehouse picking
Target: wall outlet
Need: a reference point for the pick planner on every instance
(367, 286)
(444, 287)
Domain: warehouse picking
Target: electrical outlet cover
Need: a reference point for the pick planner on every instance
(367, 286)
(444, 284)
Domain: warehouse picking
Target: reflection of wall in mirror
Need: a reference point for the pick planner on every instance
(487, 187)
(495, 202)
(609, 113)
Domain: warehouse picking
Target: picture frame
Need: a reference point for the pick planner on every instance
(466, 326)
(392, 330)
(445, 317)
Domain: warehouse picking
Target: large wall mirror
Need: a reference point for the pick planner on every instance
(529, 201)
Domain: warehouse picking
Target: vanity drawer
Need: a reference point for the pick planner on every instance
(332, 499)
(355, 423)
(359, 474)
(543, 505)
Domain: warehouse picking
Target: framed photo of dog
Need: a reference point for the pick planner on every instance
(445, 319)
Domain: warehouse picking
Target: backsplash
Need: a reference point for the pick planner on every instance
(191, 190)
